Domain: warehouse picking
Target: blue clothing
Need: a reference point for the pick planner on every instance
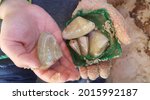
(61, 11)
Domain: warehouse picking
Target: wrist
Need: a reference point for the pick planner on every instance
(9, 6)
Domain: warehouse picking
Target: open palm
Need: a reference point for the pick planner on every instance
(19, 35)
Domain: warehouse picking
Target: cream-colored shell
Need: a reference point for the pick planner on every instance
(98, 43)
(77, 28)
(48, 50)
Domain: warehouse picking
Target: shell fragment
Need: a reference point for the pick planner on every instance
(84, 45)
(77, 28)
(75, 46)
(48, 50)
(98, 43)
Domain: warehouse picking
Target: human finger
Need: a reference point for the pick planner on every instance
(104, 69)
(74, 74)
(93, 72)
(83, 72)
(52, 75)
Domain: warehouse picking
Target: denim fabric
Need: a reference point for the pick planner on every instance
(16, 75)
(9, 73)
(61, 11)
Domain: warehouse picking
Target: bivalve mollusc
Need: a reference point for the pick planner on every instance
(48, 50)
(77, 28)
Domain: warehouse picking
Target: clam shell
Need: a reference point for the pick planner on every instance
(84, 45)
(48, 50)
(98, 43)
(77, 28)
(75, 46)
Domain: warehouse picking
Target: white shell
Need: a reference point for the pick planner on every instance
(48, 50)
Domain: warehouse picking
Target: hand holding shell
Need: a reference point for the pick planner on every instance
(96, 42)
(56, 65)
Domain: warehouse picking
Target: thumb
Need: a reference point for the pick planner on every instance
(19, 55)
